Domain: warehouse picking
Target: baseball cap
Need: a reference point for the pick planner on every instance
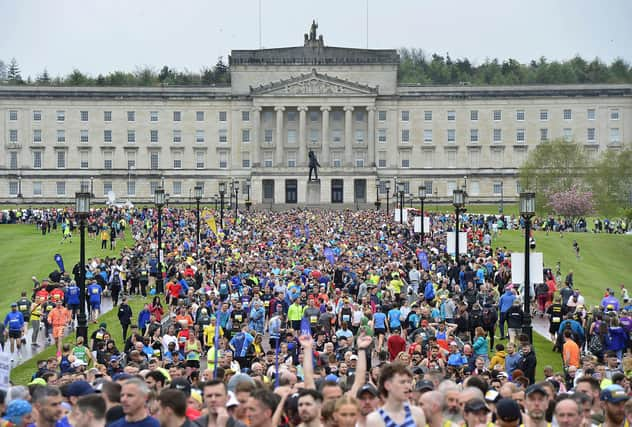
(508, 410)
(232, 400)
(424, 385)
(121, 376)
(181, 384)
(536, 388)
(79, 388)
(614, 394)
(475, 405)
(353, 357)
(38, 381)
(114, 359)
(332, 378)
(367, 388)
(14, 304)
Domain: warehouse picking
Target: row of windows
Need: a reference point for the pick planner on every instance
(451, 185)
(60, 187)
(314, 116)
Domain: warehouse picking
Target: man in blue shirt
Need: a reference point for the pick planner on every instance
(14, 324)
(394, 321)
(94, 296)
(72, 298)
(504, 304)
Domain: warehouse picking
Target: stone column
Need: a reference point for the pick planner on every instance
(278, 158)
(255, 141)
(325, 140)
(348, 135)
(370, 135)
(302, 140)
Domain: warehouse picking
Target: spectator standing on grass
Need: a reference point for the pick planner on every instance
(14, 326)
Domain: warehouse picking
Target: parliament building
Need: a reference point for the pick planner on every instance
(346, 105)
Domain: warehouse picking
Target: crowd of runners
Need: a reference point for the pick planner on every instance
(314, 317)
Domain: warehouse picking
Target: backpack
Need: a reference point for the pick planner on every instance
(595, 345)
(429, 293)
(487, 316)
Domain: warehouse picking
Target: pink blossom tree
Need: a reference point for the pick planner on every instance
(571, 203)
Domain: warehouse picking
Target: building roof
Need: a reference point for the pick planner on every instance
(314, 55)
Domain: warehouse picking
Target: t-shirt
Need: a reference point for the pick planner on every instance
(145, 422)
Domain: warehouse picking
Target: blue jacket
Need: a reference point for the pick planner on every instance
(512, 362)
(617, 339)
(14, 321)
(576, 327)
(240, 343)
(143, 318)
(72, 295)
(506, 301)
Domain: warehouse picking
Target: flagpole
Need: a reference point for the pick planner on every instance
(276, 363)
(216, 345)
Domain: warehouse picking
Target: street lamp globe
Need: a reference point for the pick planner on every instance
(422, 191)
(198, 192)
(222, 188)
(458, 198)
(527, 204)
(82, 203)
(159, 197)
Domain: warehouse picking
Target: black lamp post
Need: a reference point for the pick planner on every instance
(400, 188)
(377, 196)
(387, 185)
(222, 193)
(248, 201)
(458, 200)
(422, 197)
(199, 193)
(159, 201)
(236, 187)
(527, 211)
(92, 187)
(82, 210)
(19, 186)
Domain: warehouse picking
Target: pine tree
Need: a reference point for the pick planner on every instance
(44, 78)
(13, 75)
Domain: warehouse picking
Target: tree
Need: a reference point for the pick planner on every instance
(3, 70)
(76, 78)
(611, 181)
(13, 74)
(572, 203)
(554, 167)
(44, 78)
(222, 72)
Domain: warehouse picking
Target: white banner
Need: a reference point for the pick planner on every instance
(5, 370)
(462, 243)
(536, 266)
(396, 215)
(417, 224)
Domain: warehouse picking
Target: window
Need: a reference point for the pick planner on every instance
(497, 135)
(267, 160)
(13, 135)
(177, 136)
(291, 136)
(451, 115)
(337, 191)
(405, 116)
(13, 188)
(520, 135)
(359, 159)
(13, 115)
(176, 188)
(199, 116)
(37, 115)
(61, 135)
(153, 136)
(567, 134)
(245, 160)
(336, 135)
(337, 115)
(614, 114)
(37, 159)
(61, 115)
(131, 116)
(544, 115)
(359, 115)
(568, 114)
(474, 188)
(381, 115)
(314, 116)
(497, 188)
(83, 159)
(131, 136)
(427, 116)
(381, 136)
(154, 160)
(591, 114)
(474, 157)
(13, 160)
(223, 136)
(497, 115)
(107, 187)
(497, 157)
(245, 135)
(591, 135)
(428, 185)
(405, 136)
(451, 154)
(518, 187)
(177, 159)
(199, 159)
(107, 135)
(473, 135)
(61, 188)
(131, 187)
(37, 135)
(474, 115)
(153, 186)
(291, 116)
(427, 135)
(451, 135)
(405, 159)
(222, 116)
(336, 161)
(544, 135)
(314, 135)
(245, 116)
(177, 116)
(520, 115)
(381, 159)
(153, 116)
(83, 135)
(107, 160)
(291, 159)
(223, 160)
(267, 116)
(615, 137)
(37, 188)
(428, 158)
(267, 136)
(107, 116)
(199, 136)
(131, 159)
(84, 116)
(61, 159)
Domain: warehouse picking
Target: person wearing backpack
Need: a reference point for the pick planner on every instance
(489, 317)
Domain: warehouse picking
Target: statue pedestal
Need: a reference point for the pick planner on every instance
(313, 192)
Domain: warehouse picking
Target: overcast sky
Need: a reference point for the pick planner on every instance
(102, 36)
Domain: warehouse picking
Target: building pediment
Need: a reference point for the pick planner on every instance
(313, 84)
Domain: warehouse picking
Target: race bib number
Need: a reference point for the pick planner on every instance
(556, 320)
(99, 335)
(313, 319)
(95, 291)
(266, 303)
(238, 317)
(22, 307)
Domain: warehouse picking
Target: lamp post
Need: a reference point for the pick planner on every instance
(400, 188)
(19, 186)
(222, 192)
(422, 197)
(82, 210)
(377, 196)
(502, 196)
(236, 187)
(458, 200)
(387, 185)
(159, 201)
(248, 201)
(92, 187)
(199, 193)
(527, 211)
(215, 201)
